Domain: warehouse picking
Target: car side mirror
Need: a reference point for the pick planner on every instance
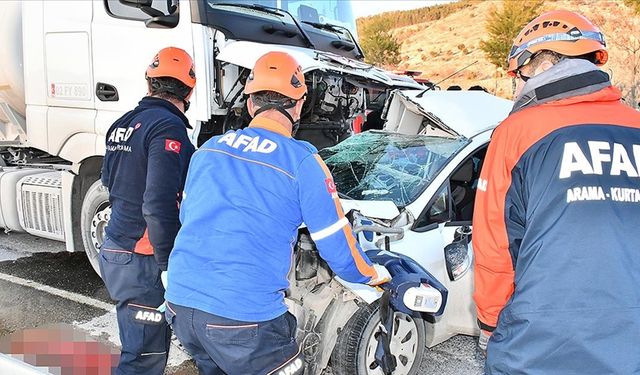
(459, 254)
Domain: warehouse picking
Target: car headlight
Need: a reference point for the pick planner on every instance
(459, 255)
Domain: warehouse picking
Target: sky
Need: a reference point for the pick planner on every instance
(363, 8)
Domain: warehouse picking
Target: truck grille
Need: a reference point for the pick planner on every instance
(41, 205)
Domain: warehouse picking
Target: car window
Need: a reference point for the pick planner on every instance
(456, 199)
(464, 184)
(438, 210)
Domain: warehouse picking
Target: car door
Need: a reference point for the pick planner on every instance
(451, 210)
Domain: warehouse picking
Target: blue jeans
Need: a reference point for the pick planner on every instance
(225, 346)
(133, 281)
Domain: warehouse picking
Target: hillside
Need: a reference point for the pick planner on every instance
(447, 39)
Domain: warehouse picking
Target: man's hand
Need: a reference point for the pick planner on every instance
(163, 277)
(483, 340)
(382, 275)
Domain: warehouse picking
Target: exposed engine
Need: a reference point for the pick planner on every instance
(332, 103)
(320, 304)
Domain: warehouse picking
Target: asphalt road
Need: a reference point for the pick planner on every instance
(45, 289)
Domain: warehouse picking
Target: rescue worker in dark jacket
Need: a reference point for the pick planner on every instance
(557, 261)
(247, 192)
(145, 166)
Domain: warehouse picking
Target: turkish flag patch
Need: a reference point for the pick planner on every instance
(171, 145)
(331, 186)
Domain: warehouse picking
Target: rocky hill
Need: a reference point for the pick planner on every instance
(447, 38)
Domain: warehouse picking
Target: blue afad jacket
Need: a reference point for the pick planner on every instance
(555, 230)
(247, 192)
(144, 168)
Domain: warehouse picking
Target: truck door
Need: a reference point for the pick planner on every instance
(123, 47)
(69, 78)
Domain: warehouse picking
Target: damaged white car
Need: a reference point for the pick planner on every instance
(410, 190)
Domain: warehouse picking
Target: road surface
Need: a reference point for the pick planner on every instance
(45, 289)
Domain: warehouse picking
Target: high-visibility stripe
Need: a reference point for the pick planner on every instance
(249, 160)
(361, 264)
(331, 229)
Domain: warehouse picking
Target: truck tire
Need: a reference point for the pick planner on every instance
(94, 217)
(355, 348)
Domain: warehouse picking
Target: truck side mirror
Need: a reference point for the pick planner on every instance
(143, 5)
(158, 18)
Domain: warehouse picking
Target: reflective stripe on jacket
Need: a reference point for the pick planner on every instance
(247, 192)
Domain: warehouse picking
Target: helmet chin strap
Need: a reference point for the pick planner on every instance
(282, 108)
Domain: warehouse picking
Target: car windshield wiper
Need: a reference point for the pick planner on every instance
(275, 11)
(344, 196)
(336, 28)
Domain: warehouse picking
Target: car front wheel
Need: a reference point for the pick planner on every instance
(354, 353)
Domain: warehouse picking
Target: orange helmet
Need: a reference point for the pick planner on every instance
(278, 72)
(175, 63)
(561, 31)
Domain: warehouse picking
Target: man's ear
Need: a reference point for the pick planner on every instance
(251, 108)
(544, 66)
(298, 107)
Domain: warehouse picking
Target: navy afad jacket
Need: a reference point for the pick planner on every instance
(555, 229)
(145, 166)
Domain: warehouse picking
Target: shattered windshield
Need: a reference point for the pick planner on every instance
(388, 166)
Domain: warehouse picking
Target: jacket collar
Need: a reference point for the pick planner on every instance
(150, 101)
(567, 79)
(268, 124)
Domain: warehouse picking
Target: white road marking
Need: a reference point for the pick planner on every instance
(101, 325)
(106, 326)
(75, 297)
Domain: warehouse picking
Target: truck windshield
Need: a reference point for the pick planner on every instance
(334, 12)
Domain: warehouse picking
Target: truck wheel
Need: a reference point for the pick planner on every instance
(354, 353)
(95, 214)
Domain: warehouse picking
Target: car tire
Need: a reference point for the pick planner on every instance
(94, 217)
(355, 348)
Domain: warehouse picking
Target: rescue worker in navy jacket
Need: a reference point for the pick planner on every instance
(145, 166)
(247, 192)
(557, 261)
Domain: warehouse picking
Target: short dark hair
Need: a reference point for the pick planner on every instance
(263, 98)
(168, 88)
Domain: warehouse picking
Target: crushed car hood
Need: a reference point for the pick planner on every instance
(444, 113)
(245, 54)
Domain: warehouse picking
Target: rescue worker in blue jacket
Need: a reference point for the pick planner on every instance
(144, 169)
(557, 263)
(247, 192)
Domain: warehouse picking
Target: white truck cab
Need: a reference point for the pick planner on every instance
(68, 69)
